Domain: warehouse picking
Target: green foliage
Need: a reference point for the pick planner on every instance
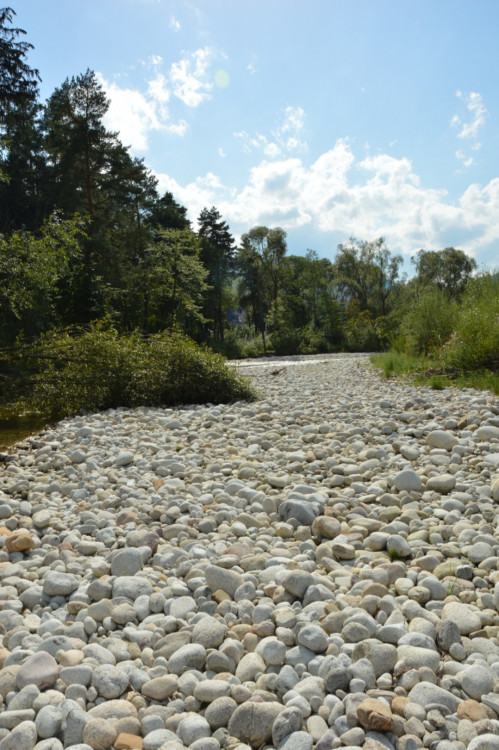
(217, 256)
(474, 343)
(430, 321)
(367, 273)
(286, 340)
(450, 269)
(360, 329)
(166, 213)
(70, 371)
(33, 269)
(171, 280)
(259, 262)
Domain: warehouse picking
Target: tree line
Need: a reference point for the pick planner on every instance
(85, 236)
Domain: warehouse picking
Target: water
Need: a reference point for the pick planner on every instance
(18, 428)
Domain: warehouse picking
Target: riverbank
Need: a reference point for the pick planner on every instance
(318, 568)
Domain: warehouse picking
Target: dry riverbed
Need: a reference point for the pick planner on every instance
(314, 570)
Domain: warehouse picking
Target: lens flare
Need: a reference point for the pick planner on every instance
(222, 79)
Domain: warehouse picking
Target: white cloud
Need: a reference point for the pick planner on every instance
(288, 132)
(131, 114)
(157, 89)
(285, 137)
(468, 130)
(475, 106)
(189, 77)
(251, 67)
(174, 24)
(134, 115)
(377, 196)
(467, 160)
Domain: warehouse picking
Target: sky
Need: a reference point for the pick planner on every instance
(329, 118)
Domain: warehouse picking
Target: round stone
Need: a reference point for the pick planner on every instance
(477, 680)
(408, 480)
(441, 439)
(109, 681)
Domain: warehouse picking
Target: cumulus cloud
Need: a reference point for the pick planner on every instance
(375, 196)
(157, 88)
(131, 114)
(135, 113)
(189, 77)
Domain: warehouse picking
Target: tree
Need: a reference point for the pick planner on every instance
(217, 254)
(449, 269)
(172, 280)
(21, 163)
(33, 270)
(259, 261)
(367, 272)
(92, 173)
(166, 213)
(79, 148)
(310, 317)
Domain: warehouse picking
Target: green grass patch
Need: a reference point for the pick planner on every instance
(430, 373)
(398, 363)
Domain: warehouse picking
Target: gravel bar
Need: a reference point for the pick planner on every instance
(317, 569)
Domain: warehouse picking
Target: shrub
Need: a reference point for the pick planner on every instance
(66, 372)
(231, 347)
(286, 340)
(475, 341)
(430, 322)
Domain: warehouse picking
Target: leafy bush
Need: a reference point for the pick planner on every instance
(231, 347)
(430, 322)
(286, 340)
(252, 347)
(315, 341)
(475, 341)
(66, 372)
(361, 335)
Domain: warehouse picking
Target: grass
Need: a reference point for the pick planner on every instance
(425, 371)
(399, 364)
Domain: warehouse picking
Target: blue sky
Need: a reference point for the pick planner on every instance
(329, 118)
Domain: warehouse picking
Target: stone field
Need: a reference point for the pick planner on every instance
(316, 569)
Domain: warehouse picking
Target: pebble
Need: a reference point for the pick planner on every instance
(318, 568)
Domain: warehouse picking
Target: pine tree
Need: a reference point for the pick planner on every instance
(92, 173)
(217, 255)
(21, 162)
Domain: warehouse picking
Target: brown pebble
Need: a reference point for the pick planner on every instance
(375, 715)
(126, 741)
(375, 589)
(471, 710)
(19, 541)
(398, 705)
(4, 653)
(221, 596)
